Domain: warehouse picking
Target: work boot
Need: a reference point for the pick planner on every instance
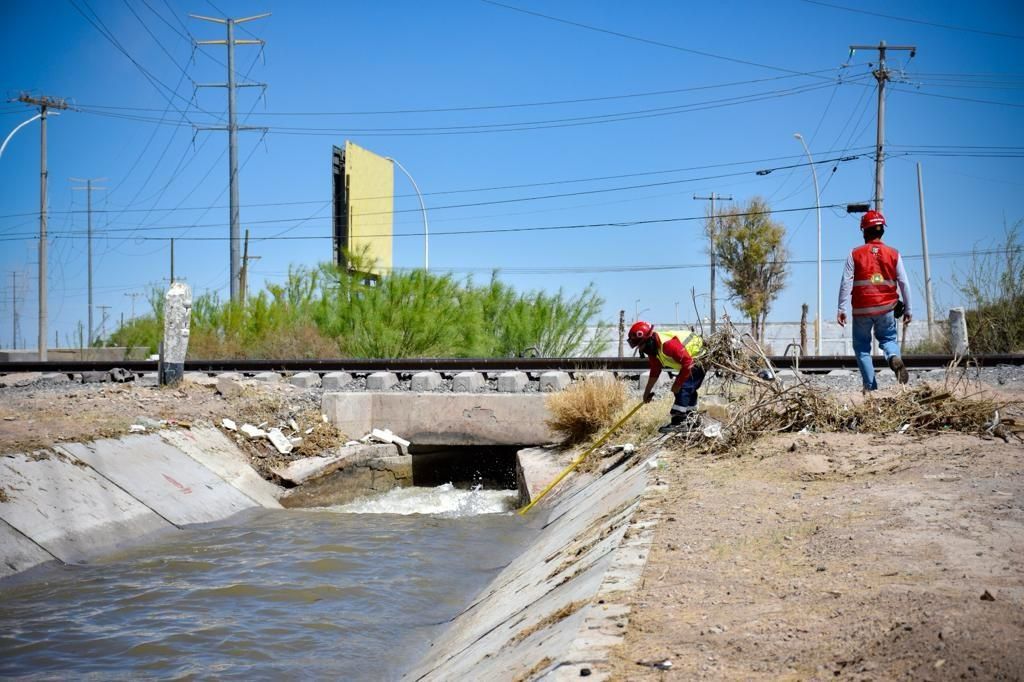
(897, 366)
(683, 421)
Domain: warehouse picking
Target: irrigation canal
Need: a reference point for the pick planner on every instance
(353, 592)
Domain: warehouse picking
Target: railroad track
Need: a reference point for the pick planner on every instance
(821, 363)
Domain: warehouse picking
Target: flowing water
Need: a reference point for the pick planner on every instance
(352, 592)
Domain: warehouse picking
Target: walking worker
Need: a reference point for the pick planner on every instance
(871, 276)
(675, 350)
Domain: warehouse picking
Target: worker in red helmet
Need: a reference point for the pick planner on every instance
(675, 350)
(870, 279)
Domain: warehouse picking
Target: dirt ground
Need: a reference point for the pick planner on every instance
(834, 555)
(38, 416)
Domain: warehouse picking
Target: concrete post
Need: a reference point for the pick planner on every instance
(958, 331)
(177, 313)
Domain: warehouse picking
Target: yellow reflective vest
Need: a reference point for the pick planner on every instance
(691, 341)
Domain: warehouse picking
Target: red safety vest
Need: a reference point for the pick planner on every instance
(874, 279)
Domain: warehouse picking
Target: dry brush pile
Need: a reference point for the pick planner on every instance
(761, 404)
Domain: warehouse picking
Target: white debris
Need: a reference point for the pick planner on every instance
(295, 440)
(253, 431)
(261, 425)
(713, 430)
(385, 436)
(228, 424)
(292, 425)
(324, 417)
(279, 440)
(653, 463)
(309, 430)
(136, 428)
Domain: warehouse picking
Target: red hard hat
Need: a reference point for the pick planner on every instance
(872, 219)
(639, 333)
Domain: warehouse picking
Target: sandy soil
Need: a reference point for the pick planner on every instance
(38, 415)
(838, 555)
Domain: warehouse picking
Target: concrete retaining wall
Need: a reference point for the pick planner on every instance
(443, 418)
(552, 613)
(79, 501)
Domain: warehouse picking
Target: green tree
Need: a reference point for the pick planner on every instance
(993, 286)
(750, 249)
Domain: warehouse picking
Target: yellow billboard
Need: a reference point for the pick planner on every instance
(364, 189)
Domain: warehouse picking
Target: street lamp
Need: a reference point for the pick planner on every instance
(817, 208)
(423, 209)
(19, 127)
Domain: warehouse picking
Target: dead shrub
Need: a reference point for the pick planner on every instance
(763, 405)
(585, 408)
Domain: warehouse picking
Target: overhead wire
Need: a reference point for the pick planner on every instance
(951, 27)
(648, 41)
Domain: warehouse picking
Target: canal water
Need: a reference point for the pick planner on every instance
(353, 592)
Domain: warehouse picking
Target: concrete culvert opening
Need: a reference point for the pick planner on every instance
(492, 467)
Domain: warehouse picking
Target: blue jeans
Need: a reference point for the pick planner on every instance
(884, 327)
(686, 399)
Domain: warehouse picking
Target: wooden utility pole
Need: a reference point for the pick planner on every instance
(44, 104)
(622, 330)
(88, 196)
(244, 276)
(881, 75)
(712, 234)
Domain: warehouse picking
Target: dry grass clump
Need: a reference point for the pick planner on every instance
(585, 408)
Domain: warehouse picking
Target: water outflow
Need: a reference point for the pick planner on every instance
(296, 594)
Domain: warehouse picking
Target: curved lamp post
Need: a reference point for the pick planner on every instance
(423, 209)
(19, 127)
(817, 208)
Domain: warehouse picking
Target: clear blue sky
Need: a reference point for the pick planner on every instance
(734, 81)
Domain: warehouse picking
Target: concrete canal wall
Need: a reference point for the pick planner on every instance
(81, 500)
(553, 613)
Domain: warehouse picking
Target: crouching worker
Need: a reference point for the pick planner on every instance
(674, 350)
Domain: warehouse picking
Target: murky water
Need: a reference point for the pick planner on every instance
(344, 593)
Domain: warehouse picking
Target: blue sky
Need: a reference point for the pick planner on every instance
(695, 98)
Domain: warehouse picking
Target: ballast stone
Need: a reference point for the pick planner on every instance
(332, 381)
(554, 381)
(425, 381)
(467, 382)
(512, 382)
(305, 380)
(381, 381)
(600, 375)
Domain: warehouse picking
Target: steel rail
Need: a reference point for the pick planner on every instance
(817, 363)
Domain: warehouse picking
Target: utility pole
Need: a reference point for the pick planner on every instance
(245, 267)
(232, 128)
(103, 320)
(44, 104)
(172, 260)
(881, 75)
(924, 251)
(712, 233)
(134, 295)
(88, 198)
(14, 309)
